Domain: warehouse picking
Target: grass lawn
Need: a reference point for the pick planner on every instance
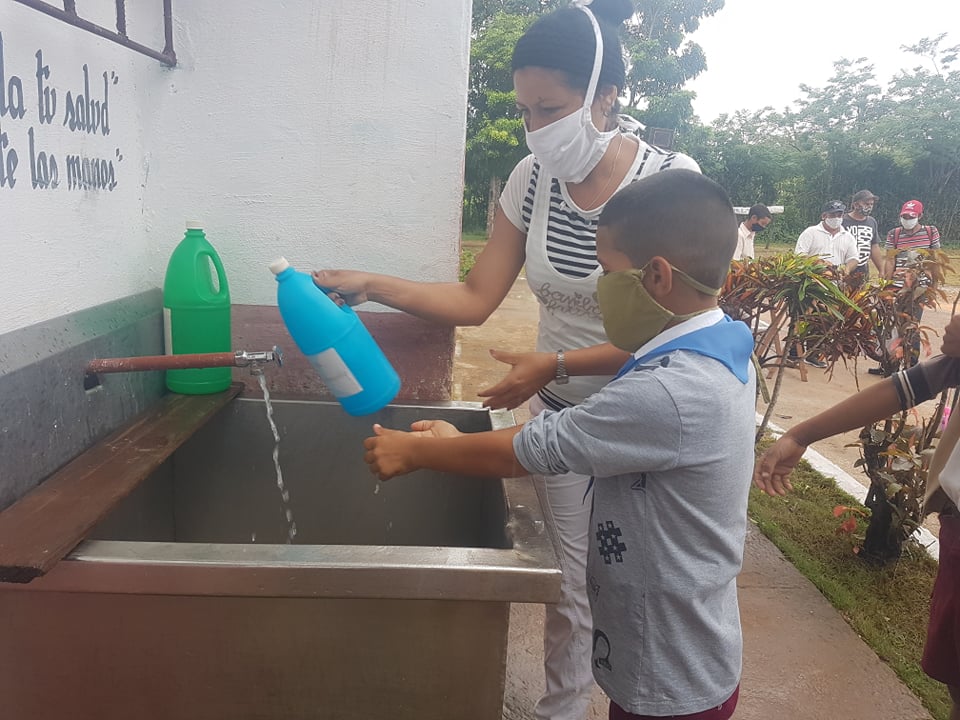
(888, 607)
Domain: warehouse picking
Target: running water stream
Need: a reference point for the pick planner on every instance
(284, 494)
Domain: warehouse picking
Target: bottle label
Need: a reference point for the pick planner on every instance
(335, 373)
(167, 332)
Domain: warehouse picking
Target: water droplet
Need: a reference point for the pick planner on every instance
(376, 489)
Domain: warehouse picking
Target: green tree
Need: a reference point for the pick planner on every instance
(662, 60)
(922, 132)
(495, 137)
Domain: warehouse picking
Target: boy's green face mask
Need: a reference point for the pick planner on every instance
(631, 317)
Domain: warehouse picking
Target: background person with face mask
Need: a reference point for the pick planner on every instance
(568, 71)
(758, 217)
(911, 235)
(828, 240)
(903, 243)
(832, 244)
(859, 223)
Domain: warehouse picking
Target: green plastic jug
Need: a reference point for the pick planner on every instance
(196, 312)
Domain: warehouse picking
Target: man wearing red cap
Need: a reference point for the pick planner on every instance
(906, 240)
(911, 235)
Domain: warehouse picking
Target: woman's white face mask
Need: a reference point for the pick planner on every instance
(909, 223)
(569, 148)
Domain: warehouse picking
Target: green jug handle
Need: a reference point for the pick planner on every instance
(221, 275)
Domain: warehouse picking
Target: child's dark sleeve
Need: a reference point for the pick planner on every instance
(927, 379)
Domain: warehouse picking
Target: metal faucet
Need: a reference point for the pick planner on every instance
(241, 358)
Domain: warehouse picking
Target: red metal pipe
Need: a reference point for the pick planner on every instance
(162, 362)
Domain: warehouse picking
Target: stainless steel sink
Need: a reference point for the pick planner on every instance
(394, 601)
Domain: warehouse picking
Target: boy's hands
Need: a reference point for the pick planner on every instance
(772, 471)
(528, 373)
(432, 428)
(392, 452)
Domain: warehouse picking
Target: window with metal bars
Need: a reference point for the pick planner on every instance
(69, 15)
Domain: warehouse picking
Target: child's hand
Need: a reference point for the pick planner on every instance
(951, 337)
(773, 469)
(389, 452)
(433, 428)
(528, 373)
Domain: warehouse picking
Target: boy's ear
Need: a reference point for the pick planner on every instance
(660, 276)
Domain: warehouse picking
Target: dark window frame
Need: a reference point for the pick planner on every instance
(68, 14)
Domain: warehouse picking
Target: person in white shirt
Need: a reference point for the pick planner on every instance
(758, 217)
(828, 239)
(835, 246)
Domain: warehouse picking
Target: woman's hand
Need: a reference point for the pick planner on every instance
(772, 471)
(528, 373)
(342, 286)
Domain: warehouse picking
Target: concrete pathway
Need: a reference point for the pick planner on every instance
(801, 659)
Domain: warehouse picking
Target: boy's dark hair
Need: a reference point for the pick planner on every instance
(759, 211)
(564, 40)
(679, 215)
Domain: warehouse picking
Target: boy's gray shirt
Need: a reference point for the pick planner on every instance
(671, 447)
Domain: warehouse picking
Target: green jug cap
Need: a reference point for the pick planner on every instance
(194, 225)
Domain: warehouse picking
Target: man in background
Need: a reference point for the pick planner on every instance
(860, 223)
(902, 245)
(835, 246)
(758, 217)
(828, 240)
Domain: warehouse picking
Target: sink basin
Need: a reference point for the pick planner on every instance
(187, 603)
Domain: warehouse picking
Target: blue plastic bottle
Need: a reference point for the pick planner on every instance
(336, 343)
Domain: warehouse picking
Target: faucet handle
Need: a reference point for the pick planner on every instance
(256, 359)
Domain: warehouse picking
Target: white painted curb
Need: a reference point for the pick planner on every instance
(849, 485)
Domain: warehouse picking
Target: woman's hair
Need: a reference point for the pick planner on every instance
(564, 40)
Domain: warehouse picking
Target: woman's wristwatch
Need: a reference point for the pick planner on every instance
(562, 378)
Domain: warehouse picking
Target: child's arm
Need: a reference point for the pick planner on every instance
(772, 472)
(483, 454)
(920, 383)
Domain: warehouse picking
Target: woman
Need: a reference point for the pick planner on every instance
(568, 71)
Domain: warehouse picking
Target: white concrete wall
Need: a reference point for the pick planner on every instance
(329, 132)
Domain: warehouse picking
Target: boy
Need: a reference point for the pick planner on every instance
(922, 382)
(666, 443)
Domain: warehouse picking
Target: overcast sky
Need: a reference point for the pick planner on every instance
(760, 51)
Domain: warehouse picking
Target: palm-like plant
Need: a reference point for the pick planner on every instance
(792, 289)
(840, 321)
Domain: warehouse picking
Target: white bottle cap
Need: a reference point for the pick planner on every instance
(194, 225)
(279, 265)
